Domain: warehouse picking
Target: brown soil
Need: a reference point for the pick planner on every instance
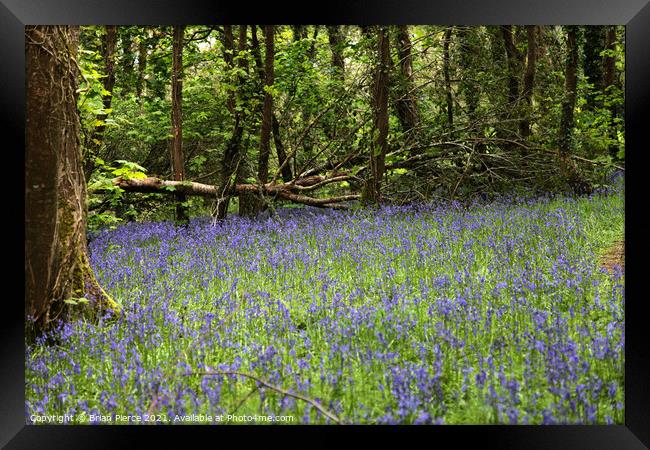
(614, 256)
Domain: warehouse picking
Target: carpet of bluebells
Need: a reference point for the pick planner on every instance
(426, 314)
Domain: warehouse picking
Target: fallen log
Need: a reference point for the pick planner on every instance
(285, 191)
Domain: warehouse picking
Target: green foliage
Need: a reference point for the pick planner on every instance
(324, 115)
(106, 199)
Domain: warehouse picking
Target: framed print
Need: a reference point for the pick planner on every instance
(390, 218)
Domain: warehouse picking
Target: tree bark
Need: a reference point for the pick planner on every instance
(565, 142)
(407, 109)
(279, 148)
(609, 63)
(277, 137)
(529, 80)
(594, 44)
(57, 267)
(177, 159)
(247, 201)
(468, 88)
(336, 48)
(230, 157)
(570, 84)
(140, 84)
(290, 191)
(380, 112)
(311, 53)
(127, 59)
(299, 32)
(267, 112)
(446, 70)
(513, 66)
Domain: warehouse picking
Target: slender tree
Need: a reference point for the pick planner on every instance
(275, 123)
(248, 204)
(143, 51)
(567, 122)
(513, 65)
(609, 63)
(529, 80)
(446, 63)
(127, 59)
(299, 32)
(177, 159)
(406, 104)
(593, 46)
(336, 41)
(380, 114)
(58, 275)
(267, 112)
(231, 153)
(469, 68)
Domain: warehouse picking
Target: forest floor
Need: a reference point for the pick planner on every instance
(491, 313)
(614, 256)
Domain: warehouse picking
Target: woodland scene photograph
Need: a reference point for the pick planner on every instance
(325, 224)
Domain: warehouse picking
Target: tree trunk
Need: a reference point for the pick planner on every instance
(279, 148)
(299, 32)
(380, 112)
(512, 60)
(127, 60)
(311, 53)
(140, 84)
(609, 63)
(594, 44)
(94, 142)
(336, 47)
(178, 169)
(529, 80)
(446, 70)
(57, 267)
(267, 111)
(247, 201)
(277, 138)
(468, 88)
(290, 191)
(231, 152)
(565, 141)
(406, 106)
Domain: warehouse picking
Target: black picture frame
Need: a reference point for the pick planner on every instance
(635, 14)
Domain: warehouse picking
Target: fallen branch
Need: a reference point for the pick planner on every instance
(278, 389)
(286, 191)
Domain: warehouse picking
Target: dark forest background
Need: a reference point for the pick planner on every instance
(380, 114)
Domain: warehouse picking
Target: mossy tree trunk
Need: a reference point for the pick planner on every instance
(406, 104)
(566, 142)
(609, 79)
(529, 80)
(267, 109)
(57, 268)
(372, 191)
(177, 158)
(446, 69)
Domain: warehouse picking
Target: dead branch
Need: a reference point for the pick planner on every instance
(285, 191)
(278, 389)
